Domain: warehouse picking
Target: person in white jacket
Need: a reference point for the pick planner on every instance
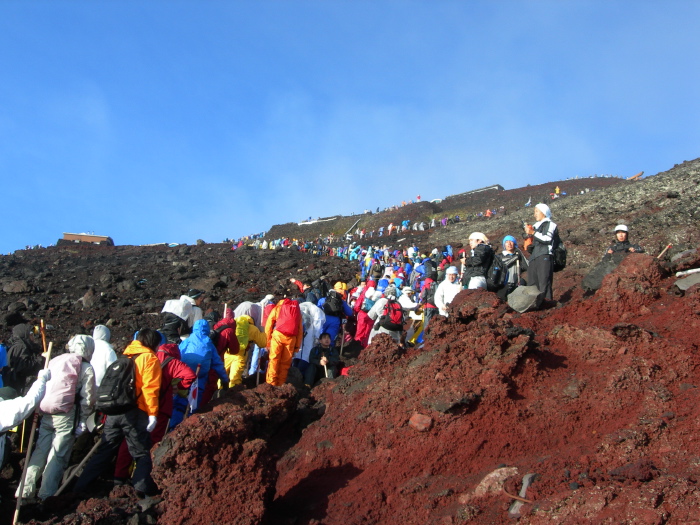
(59, 427)
(447, 290)
(13, 409)
(104, 355)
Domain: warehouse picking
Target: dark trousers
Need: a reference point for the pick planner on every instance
(539, 273)
(428, 314)
(131, 427)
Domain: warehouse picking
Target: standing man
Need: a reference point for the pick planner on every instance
(136, 423)
(285, 333)
(69, 402)
(544, 234)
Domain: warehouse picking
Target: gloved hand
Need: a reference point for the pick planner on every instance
(44, 375)
(151, 423)
(80, 429)
(183, 393)
(225, 384)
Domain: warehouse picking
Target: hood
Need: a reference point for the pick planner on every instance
(178, 307)
(136, 348)
(201, 329)
(226, 321)
(21, 331)
(82, 345)
(101, 333)
(187, 298)
(170, 350)
(254, 310)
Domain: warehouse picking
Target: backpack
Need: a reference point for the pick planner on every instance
(367, 304)
(334, 304)
(288, 318)
(430, 269)
(429, 294)
(495, 274)
(392, 316)
(215, 333)
(558, 253)
(117, 392)
(61, 389)
(323, 287)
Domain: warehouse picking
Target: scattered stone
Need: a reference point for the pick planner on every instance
(420, 422)
(16, 287)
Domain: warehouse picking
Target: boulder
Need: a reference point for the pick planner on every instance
(523, 298)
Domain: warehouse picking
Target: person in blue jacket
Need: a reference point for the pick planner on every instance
(333, 322)
(198, 350)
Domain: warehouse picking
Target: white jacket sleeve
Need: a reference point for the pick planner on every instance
(13, 411)
(440, 297)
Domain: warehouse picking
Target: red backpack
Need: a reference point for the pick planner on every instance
(392, 316)
(289, 318)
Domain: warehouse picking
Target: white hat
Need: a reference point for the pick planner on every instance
(452, 270)
(479, 236)
(621, 228)
(544, 209)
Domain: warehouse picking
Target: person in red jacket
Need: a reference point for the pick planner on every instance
(172, 369)
(226, 342)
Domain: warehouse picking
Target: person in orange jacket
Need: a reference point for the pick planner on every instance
(134, 425)
(281, 346)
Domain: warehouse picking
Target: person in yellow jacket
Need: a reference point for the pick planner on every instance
(247, 334)
(280, 345)
(134, 425)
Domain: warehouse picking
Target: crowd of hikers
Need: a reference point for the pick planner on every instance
(165, 375)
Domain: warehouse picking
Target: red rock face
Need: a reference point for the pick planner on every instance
(217, 467)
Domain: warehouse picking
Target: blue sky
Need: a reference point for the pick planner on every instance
(170, 121)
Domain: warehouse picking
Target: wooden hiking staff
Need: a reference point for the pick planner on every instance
(664, 251)
(42, 331)
(35, 422)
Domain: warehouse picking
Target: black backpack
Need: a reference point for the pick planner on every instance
(215, 333)
(333, 305)
(495, 274)
(117, 392)
(558, 252)
(429, 294)
(430, 269)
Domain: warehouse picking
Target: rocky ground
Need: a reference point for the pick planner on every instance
(597, 397)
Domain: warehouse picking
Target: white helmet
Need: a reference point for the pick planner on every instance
(620, 228)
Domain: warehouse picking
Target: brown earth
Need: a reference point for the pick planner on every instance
(597, 396)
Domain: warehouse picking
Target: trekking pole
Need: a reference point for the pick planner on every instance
(196, 375)
(77, 469)
(225, 309)
(665, 250)
(342, 342)
(35, 422)
(325, 368)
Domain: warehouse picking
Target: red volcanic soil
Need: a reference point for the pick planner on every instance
(597, 397)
